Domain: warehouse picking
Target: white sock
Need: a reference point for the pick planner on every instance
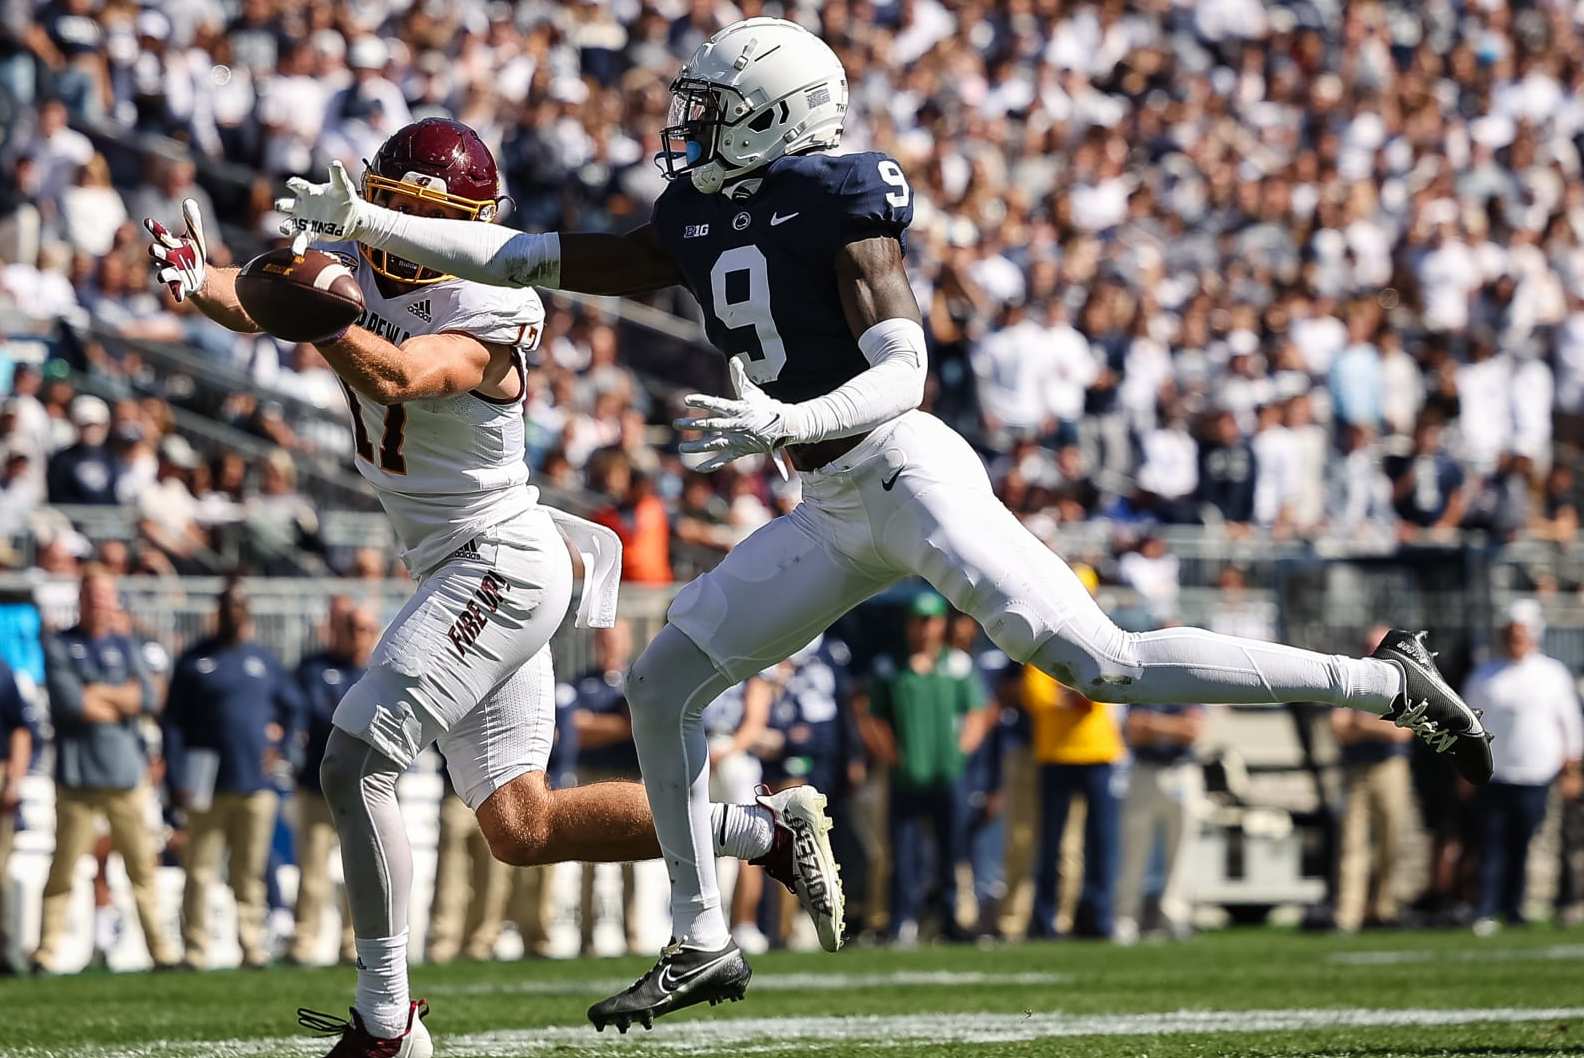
(382, 984)
(1371, 684)
(743, 832)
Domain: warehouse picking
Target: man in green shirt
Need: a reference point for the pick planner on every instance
(928, 712)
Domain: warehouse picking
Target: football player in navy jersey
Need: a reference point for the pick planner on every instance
(796, 256)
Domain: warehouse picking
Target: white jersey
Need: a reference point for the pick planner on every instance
(448, 468)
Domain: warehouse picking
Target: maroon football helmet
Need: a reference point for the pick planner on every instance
(436, 167)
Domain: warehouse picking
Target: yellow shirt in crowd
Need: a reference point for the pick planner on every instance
(1068, 728)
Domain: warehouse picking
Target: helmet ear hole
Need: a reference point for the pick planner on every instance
(762, 122)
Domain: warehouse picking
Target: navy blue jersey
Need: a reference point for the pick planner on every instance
(224, 697)
(596, 691)
(763, 267)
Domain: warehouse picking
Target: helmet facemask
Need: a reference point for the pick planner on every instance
(690, 143)
(420, 195)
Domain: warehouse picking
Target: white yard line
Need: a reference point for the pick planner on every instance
(1476, 952)
(768, 982)
(737, 1036)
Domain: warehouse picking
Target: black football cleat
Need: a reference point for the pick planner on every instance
(682, 978)
(1432, 709)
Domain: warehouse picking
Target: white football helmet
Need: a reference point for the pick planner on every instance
(758, 89)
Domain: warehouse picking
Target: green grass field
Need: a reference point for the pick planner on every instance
(1244, 993)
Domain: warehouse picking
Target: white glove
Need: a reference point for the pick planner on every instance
(321, 211)
(179, 260)
(755, 423)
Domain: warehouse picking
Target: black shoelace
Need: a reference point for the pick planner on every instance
(322, 1023)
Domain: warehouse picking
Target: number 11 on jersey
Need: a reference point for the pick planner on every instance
(391, 459)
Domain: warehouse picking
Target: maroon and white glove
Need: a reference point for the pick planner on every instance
(179, 260)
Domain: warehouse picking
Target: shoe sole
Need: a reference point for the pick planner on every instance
(805, 814)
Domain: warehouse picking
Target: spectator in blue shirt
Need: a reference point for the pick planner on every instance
(85, 472)
(1226, 471)
(99, 691)
(323, 679)
(1427, 483)
(230, 709)
(18, 736)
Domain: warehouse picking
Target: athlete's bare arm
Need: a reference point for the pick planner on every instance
(429, 365)
(872, 280)
(218, 300)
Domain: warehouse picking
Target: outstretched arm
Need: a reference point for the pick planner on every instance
(485, 253)
(430, 365)
(181, 262)
(587, 262)
(217, 299)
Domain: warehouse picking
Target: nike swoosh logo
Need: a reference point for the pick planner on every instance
(671, 981)
(775, 219)
(887, 484)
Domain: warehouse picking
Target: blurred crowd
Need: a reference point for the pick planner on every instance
(975, 799)
(1291, 268)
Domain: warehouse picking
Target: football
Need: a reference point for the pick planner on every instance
(299, 299)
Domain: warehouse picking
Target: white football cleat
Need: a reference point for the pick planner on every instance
(801, 859)
(357, 1042)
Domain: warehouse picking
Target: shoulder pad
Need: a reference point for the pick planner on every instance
(503, 315)
(873, 196)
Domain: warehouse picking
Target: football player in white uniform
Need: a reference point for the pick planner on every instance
(796, 256)
(434, 373)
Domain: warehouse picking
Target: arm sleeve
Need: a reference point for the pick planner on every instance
(484, 253)
(892, 386)
(64, 685)
(872, 199)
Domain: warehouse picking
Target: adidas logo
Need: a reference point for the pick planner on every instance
(421, 310)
